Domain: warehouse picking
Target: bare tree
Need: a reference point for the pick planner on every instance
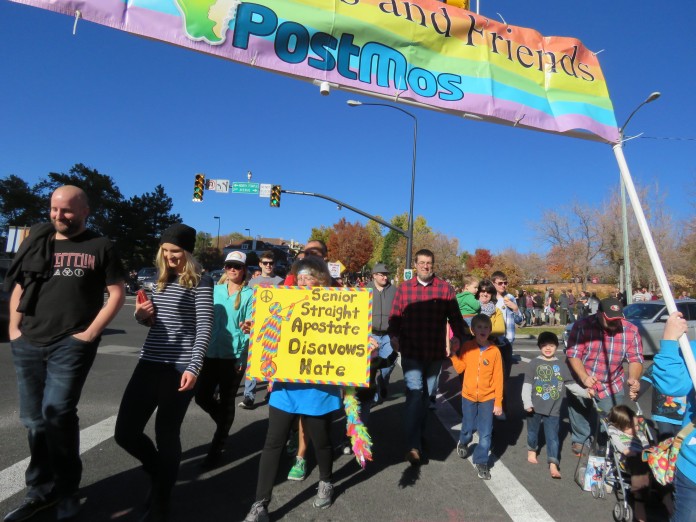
(577, 232)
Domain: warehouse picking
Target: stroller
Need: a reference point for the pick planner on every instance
(609, 473)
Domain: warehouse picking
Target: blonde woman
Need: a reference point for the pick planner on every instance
(180, 317)
(225, 362)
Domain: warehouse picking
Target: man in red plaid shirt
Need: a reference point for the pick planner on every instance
(598, 345)
(417, 327)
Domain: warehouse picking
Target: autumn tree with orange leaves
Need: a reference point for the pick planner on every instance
(351, 244)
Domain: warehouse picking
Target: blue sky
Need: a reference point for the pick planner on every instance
(145, 112)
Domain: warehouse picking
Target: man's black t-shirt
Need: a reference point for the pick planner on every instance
(70, 300)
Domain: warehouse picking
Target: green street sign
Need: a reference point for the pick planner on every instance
(244, 187)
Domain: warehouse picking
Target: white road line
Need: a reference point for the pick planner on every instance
(12, 478)
(519, 504)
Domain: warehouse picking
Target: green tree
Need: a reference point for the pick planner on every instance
(142, 218)
(105, 199)
(21, 204)
(322, 234)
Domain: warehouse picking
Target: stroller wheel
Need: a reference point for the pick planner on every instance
(623, 512)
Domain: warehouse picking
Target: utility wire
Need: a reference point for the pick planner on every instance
(666, 138)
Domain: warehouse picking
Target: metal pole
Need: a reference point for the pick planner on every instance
(409, 235)
(218, 234)
(654, 257)
(628, 286)
(628, 290)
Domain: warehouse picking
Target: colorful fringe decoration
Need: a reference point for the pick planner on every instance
(359, 437)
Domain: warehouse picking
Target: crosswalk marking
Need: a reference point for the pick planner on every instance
(12, 478)
(519, 504)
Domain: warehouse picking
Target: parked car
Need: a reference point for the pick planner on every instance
(149, 283)
(148, 271)
(650, 317)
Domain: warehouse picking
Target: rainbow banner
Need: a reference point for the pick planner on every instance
(425, 51)
(311, 335)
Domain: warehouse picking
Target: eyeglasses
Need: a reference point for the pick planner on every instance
(484, 292)
(234, 267)
(424, 263)
(500, 282)
(267, 263)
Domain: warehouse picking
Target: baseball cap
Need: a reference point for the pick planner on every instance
(236, 257)
(380, 268)
(611, 308)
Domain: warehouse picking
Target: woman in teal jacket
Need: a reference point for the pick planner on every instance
(671, 377)
(226, 358)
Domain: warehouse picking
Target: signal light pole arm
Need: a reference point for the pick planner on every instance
(349, 207)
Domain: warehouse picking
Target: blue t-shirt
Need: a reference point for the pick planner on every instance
(306, 399)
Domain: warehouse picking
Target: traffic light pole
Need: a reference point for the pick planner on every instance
(349, 207)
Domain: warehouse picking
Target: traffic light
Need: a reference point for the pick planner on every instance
(275, 195)
(198, 188)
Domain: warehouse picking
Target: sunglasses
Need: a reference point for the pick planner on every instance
(267, 263)
(484, 292)
(234, 267)
(501, 282)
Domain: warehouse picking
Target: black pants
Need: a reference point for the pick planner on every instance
(318, 429)
(154, 386)
(225, 375)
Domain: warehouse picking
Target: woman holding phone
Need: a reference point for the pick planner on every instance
(180, 318)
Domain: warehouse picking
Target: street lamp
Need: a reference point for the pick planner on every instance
(409, 237)
(624, 219)
(218, 236)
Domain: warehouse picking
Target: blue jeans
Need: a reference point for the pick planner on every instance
(477, 416)
(50, 380)
(550, 434)
(421, 379)
(581, 412)
(250, 389)
(385, 350)
(684, 498)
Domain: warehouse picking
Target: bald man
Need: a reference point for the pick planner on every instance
(57, 316)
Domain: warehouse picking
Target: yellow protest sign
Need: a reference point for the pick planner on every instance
(311, 335)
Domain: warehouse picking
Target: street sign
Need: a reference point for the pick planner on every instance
(210, 184)
(408, 274)
(222, 185)
(336, 269)
(245, 187)
(265, 190)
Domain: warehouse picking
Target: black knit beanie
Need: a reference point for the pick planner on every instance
(180, 235)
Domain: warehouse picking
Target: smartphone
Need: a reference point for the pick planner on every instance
(141, 297)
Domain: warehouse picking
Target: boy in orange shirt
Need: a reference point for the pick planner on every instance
(482, 392)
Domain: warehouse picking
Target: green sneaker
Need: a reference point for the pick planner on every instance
(297, 472)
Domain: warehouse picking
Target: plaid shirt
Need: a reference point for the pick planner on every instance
(603, 354)
(419, 316)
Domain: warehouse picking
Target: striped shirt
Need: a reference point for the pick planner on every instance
(183, 323)
(602, 354)
(511, 318)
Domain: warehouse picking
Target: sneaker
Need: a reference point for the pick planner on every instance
(297, 472)
(462, 450)
(29, 507)
(414, 457)
(324, 495)
(483, 473)
(347, 449)
(258, 512)
(247, 403)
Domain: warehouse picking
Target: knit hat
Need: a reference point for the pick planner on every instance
(180, 235)
(547, 338)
